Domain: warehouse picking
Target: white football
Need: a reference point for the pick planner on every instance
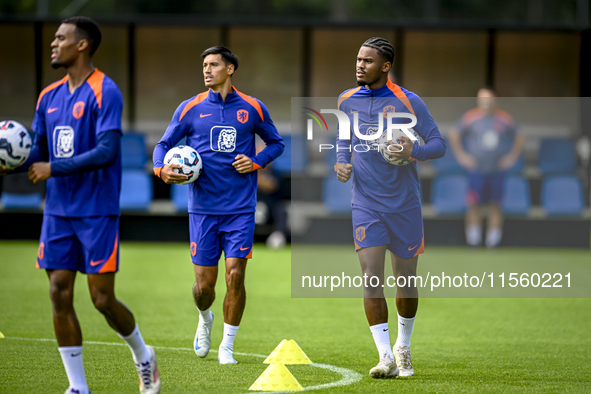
(15, 143)
(384, 147)
(188, 158)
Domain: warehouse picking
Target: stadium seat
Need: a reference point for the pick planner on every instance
(136, 190)
(562, 195)
(516, 196)
(330, 157)
(448, 163)
(518, 166)
(133, 151)
(21, 201)
(557, 156)
(179, 194)
(448, 194)
(294, 157)
(336, 195)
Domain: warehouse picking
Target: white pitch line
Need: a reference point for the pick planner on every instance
(348, 376)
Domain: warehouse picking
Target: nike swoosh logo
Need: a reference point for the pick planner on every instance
(354, 111)
(95, 263)
(203, 116)
(409, 248)
(243, 248)
(50, 110)
(75, 354)
(385, 329)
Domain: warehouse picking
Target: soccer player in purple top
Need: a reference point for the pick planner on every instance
(78, 126)
(486, 143)
(386, 201)
(220, 124)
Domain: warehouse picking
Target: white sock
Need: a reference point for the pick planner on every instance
(206, 315)
(493, 237)
(229, 336)
(473, 234)
(381, 336)
(404, 331)
(72, 359)
(138, 348)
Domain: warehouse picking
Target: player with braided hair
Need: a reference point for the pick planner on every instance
(383, 46)
(386, 202)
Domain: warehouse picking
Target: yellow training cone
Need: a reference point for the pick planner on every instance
(288, 352)
(276, 378)
(1, 335)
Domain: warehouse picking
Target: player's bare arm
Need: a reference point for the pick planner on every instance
(243, 164)
(39, 171)
(343, 171)
(465, 159)
(511, 158)
(169, 176)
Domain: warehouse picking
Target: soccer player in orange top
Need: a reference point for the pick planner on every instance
(78, 126)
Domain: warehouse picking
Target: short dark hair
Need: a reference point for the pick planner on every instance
(87, 29)
(226, 53)
(383, 46)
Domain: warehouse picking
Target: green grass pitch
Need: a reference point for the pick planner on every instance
(459, 345)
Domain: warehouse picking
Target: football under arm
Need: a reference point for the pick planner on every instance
(104, 154)
(39, 152)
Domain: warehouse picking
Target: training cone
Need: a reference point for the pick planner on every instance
(1, 335)
(276, 378)
(288, 352)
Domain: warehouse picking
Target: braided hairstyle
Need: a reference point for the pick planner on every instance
(383, 46)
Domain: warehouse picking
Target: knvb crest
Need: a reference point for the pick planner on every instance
(360, 233)
(387, 109)
(223, 139)
(78, 110)
(63, 142)
(242, 116)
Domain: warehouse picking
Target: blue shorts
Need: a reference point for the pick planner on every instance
(402, 233)
(484, 188)
(86, 244)
(210, 234)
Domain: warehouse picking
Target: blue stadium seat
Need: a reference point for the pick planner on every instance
(557, 156)
(21, 201)
(562, 195)
(516, 196)
(448, 163)
(179, 194)
(518, 166)
(136, 190)
(448, 194)
(330, 157)
(336, 195)
(294, 157)
(133, 151)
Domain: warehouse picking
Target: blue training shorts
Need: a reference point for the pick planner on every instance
(484, 188)
(86, 244)
(210, 234)
(402, 232)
